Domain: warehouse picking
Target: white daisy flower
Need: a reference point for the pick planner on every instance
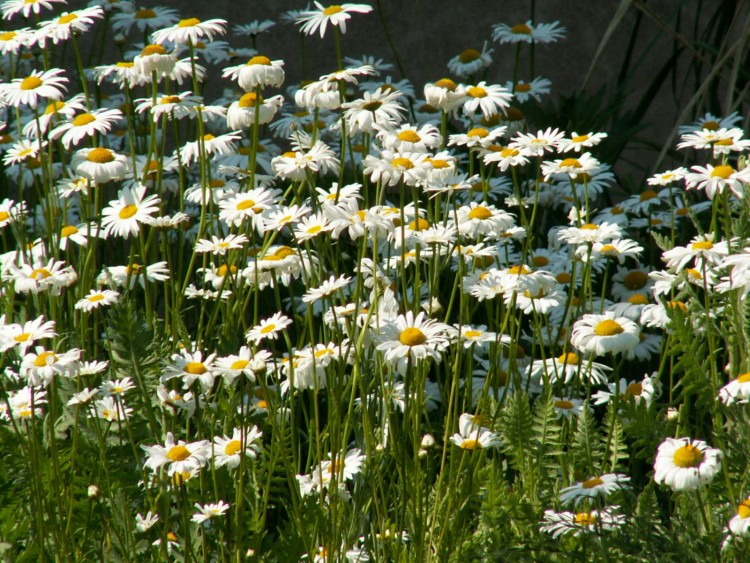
(190, 31)
(600, 334)
(685, 464)
(565, 523)
(268, 328)
(177, 457)
(593, 487)
(123, 217)
(312, 21)
(228, 450)
(208, 511)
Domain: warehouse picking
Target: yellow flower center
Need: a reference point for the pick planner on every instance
(608, 327)
(419, 224)
(439, 163)
(521, 270)
(94, 298)
(331, 10)
(564, 404)
(195, 368)
(563, 277)
(403, 163)
(45, 359)
(245, 204)
(472, 334)
(259, 60)
(145, 14)
(478, 132)
(648, 194)
(125, 64)
(688, 456)
(67, 231)
(570, 163)
(178, 453)
(521, 29)
(31, 83)
(410, 136)
(743, 510)
(83, 119)
(477, 92)
(509, 153)
(469, 55)
(233, 447)
(723, 171)
(585, 519)
(249, 100)
(67, 18)
(7, 36)
(153, 50)
(523, 87)
(634, 390)
(268, 328)
(4, 215)
(412, 337)
(591, 483)
(588, 227)
(54, 107)
(744, 377)
(635, 280)
(22, 337)
(480, 212)
(372, 106)
(638, 299)
(609, 249)
(314, 229)
(702, 245)
(189, 22)
(40, 274)
(239, 364)
(571, 358)
(580, 138)
(539, 261)
(128, 211)
(470, 444)
(725, 142)
(100, 156)
(446, 83)
(170, 100)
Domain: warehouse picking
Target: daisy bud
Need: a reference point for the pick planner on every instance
(93, 491)
(427, 441)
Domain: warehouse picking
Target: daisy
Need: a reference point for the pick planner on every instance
(528, 32)
(23, 336)
(268, 328)
(111, 410)
(27, 91)
(376, 107)
(190, 31)
(472, 435)
(228, 450)
(190, 367)
(24, 404)
(40, 276)
(154, 59)
(179, 457)
(409, 339)
(99, 165)
(257, 72)
(410, 138)
(736, 391)
(144, 523)
(174, 106)
(685, 464)
(337, 15)
(142, 19)
(568, 408)
(445, 95)
(391, 167)
(577, 142)
(491, 99)
(537, 144)
(715, 179)
(254, 28)
(244, 111)
(470, 61)
(208, 511)
(11, 8)
(117, 387)
(600, 334)
(593, 487)
(639, 392)
(739, 525)
(564, 523)
(568, 366)
(248, 206)
(119, 275)
(122, 73)
(326, 289)
(123, 216)
(210, 145)
(86, 125)
(478, 137)
(702, 250)
(11, 42)
(475, 220)
(712, 122)
(61, 28)
(572, 167)
(220, 246)
(41, 366)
